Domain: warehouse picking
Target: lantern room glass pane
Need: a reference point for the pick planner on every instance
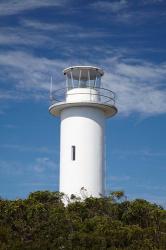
(69, 83)
(82, 78)
(98, 81)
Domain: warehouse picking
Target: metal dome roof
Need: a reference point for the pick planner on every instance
(83, 72)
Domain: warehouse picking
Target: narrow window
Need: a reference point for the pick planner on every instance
(73, 153)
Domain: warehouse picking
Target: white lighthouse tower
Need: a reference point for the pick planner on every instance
(83, 110)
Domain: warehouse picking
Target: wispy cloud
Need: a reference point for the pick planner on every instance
(43, 164)
(39, 25)
(26, 177)
(32, 34)
(28, 73)
(117, 11)
(115, 6)
(124, 11)
(152, 187)
(11, 7)
(10, 168)
(152, 1)
(40, 185)
(40, 165)
(114, 178)
(144, 153)
(25, 148)
(21, 37)
(9, 126)
(139, 85)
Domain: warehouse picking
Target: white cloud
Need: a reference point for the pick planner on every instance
(124, 11)
(40, 184)
(43, 164)
(153, 1)
(11, 7)
(139, 85)
(35, 24)
(115, 6)
(29, 75)
(40, 165)
(32, 35)
(62, 30)
(25, 148)
(114, 178)
(152, 187)
(9, 126)
(39, 172)
(9, 168)
(143, 152)
(16, 37)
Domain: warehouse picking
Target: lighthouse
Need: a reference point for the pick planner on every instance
(83, 107)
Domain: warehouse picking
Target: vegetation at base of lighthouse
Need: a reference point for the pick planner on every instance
(43, 222)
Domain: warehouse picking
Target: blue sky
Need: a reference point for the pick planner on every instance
(39, 39)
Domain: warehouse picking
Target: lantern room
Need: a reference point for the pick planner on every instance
(83, 77)
(83, 88)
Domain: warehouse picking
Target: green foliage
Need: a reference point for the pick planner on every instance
(43, 222)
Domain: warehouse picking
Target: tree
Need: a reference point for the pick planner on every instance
(43, 222)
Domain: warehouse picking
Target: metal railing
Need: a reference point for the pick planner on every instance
(105, 95)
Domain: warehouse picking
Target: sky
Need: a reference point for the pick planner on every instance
(38, 39)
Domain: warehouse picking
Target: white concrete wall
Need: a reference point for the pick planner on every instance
(82, 127)
(82, 94)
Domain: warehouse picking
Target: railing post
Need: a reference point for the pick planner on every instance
(79, 78)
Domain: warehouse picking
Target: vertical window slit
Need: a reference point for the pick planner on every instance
(73, 153)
